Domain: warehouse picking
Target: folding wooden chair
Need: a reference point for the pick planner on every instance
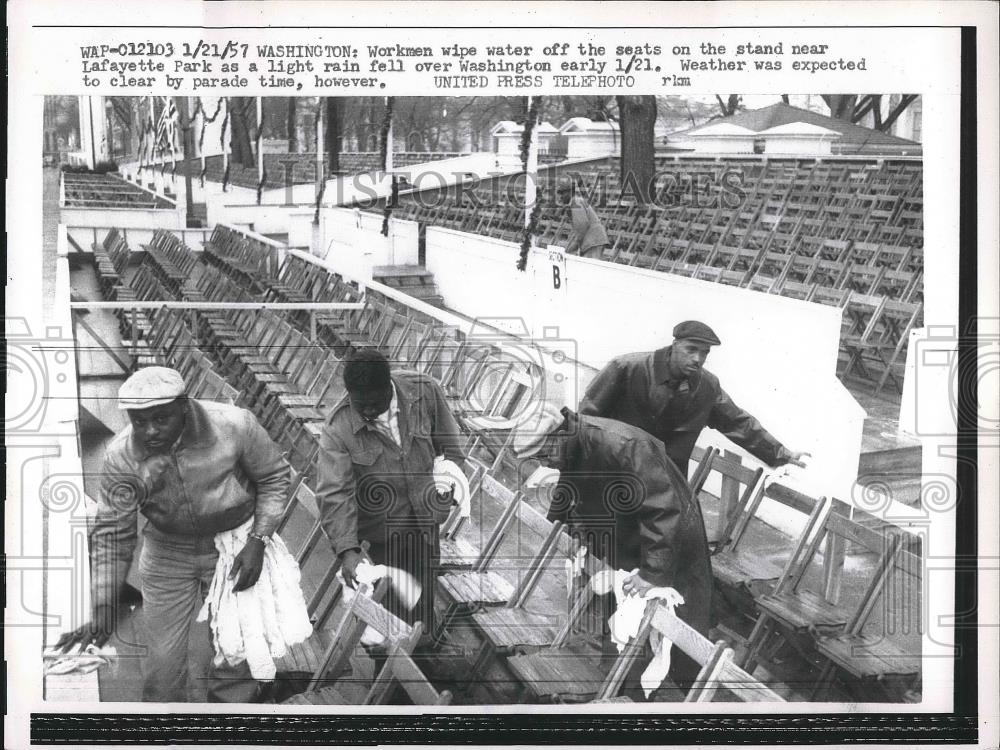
(748, 574)
(328, 687)
(482, 585)
(795, 613)
(881, 661)
(718, 671)
(726, 479)
(567, 670)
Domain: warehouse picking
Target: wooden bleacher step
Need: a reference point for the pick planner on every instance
(415, 281)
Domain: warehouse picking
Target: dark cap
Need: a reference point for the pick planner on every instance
(696, 331)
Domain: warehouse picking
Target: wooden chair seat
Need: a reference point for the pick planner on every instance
(341, 694)
(306, 656)
(739, 571)
(474, 587)
(803, 609)
(559, 672)
(508, 627)
(616, 699)
(869, 656)
(457, 554)
(296, 399)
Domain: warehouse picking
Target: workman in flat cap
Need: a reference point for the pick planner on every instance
(625, 500)
(670, 395)
(193, 468)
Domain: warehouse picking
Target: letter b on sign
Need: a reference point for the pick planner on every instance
(558, 260)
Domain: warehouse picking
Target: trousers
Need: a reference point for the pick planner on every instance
(413, 546)
(176, 572)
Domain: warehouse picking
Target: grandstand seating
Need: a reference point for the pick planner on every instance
(832, 232)
(285, 367)
(106, 191)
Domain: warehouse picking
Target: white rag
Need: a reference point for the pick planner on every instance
(625, 623)
(447, 477)
(78, 661)
(406, 586)
(543, 476)
(259, 624)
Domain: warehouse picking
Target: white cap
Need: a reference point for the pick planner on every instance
(150, 386)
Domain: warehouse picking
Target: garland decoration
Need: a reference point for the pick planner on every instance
(531, 229)
(384, 134)
(258, 143)
(222, 143)
(205, 121)
(384, 147)
(387, 210)
(529, 232)
(319, 200)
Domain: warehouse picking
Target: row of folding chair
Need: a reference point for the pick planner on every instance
(171, 259)
(825, 626)
(111, 259)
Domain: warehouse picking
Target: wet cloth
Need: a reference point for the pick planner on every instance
(624, 624)
(406, 588)
(259, 624)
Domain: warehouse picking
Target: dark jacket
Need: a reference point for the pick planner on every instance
(633, 508)
(635, 388)
(223, 470)
(364, 480)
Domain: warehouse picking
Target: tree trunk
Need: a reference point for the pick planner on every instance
(242, 118)
(293, 136)
(637, 115)
(187, 138)
(334, 125)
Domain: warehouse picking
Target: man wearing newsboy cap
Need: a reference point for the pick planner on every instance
(670, 395)
(193, 469)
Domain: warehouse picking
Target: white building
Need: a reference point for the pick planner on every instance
(798, 138)
(586, 138)
(507, 137)
(719, 138)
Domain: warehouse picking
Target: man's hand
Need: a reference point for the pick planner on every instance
(247, 565)
(636, 585)
(795, 458)
(96, 632)
(349, 560)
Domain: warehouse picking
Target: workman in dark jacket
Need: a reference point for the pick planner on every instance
(624, 497)
(670, 395)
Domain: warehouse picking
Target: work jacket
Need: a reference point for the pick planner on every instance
(636, 389)
(587, 231)
(223, 469)
(621, 493)
(366, 482)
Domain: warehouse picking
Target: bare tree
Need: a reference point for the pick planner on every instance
(855, 107)
(732, 104)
